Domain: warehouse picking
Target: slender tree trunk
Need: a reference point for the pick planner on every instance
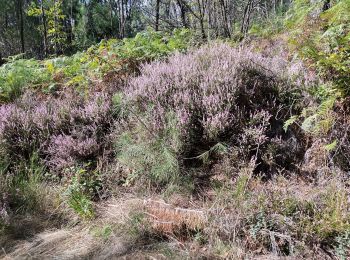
(111, 16)
(183, 12)
(157, 15)
(246, 17)
(55, 26)
(250, 10)
(6, 20)
(121, 19)
(21, 26)
(226, 22)
(266, 10)
(201, 18)
(202, 29)
(71, 24)
(43, 20)
(1, 60)
(123, 16)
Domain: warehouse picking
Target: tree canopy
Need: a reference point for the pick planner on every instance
(40, 28)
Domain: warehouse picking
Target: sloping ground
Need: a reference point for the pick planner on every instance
(107, 237)
(301, 212)
(132, 227)
(79, 242)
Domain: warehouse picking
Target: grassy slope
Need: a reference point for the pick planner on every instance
(298, 215)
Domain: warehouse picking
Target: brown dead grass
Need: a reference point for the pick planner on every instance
(78, 242)
(169, 220)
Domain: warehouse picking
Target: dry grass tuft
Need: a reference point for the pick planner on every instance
(169, 220)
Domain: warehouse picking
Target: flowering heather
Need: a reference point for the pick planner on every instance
(212, 90)
(64, 131)
(64, 150)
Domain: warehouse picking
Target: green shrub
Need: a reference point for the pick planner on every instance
(24, 188)
(80, 203)
(82, 188)
(16, 75)
(155, 45)
(84, 68)
(299, 12)
(269, 27)
(149, 157)
(323, 39)
(103, 232)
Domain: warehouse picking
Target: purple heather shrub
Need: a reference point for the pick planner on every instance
(64, 131)
(220, 94)
(60, 151)
(64, 151)
(212, 90)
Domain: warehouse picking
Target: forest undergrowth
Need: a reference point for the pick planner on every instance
(218, 150)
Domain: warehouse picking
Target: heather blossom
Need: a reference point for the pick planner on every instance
(211, 90)
(64, 131)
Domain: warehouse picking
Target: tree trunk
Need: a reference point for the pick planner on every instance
(21, 26)
(201, 18)
(157, 15)
(121, 20)
(183, 12)
(1, 60)
(70, 25)
(43, 20)
(55, 26)
(226, 22)
(246, 18)
(111, 16)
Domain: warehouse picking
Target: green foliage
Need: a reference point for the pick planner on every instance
(18, 74)
(54, 15)
(330, 52)
(315, 121)
(154, 45)
(331, 219)
(80, 203)
(83, 186)
(320, 121)
(83, 68)
(299, 12)
(117, 101)
(24, 188)
(151, 159)
(102, 232)
(148, 156)
(289, 122)
(322, 218)
(268, 27)
(343, 245)
(323, 38)
(217, 150)
(331, 146)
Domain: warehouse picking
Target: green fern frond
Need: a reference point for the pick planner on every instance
(331, 146)
(289, 122)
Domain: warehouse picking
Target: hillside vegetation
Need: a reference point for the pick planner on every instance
(169, 145)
